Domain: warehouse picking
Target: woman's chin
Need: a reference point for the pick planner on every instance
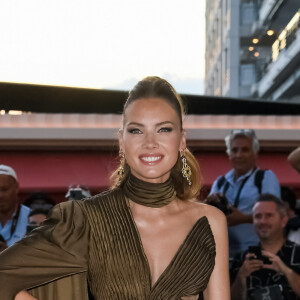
(153, 178)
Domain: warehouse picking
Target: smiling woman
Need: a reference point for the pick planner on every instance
(146, 238)
(150, 139)
(152, 117)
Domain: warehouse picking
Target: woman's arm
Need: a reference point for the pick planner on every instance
(24, 296)
(56, 249)
(218, 287)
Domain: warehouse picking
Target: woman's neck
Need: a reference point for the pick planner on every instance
(149, 194)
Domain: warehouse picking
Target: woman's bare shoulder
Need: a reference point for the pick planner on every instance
(214, 215)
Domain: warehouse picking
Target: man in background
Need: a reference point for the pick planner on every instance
(13, 215)
(270, 269)
(36, 217)
(241, 186)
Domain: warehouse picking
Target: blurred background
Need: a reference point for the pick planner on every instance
(66, 68)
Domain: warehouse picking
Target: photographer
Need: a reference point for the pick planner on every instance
(270, 271)
(13, 215)
(241, 186)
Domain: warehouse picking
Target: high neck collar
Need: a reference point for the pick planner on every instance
(149, 194)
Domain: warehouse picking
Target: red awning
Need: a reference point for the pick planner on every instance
(55, 171)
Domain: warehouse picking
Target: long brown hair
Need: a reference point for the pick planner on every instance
(156, 87)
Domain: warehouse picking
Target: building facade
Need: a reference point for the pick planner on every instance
(253, 49)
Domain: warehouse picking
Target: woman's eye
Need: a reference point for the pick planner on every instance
(165, 129)
(134, 131)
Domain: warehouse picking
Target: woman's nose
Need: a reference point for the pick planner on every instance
(150, 141)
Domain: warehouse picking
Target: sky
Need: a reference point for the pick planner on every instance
(103, 44)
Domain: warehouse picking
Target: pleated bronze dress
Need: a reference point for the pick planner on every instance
(97, 240)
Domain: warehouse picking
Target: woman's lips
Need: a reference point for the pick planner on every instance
(151, 159)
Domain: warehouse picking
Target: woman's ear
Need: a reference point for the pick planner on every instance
(183, 141)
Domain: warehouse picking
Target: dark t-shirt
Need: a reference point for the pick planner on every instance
(289, 254)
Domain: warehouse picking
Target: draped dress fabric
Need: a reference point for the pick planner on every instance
(97, 240)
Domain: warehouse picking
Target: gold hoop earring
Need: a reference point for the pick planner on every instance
(121, 167)
(186, 169)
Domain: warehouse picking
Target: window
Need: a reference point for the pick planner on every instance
(247, 74)
(247, 13)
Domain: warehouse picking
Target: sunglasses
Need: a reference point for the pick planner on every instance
(247, 132)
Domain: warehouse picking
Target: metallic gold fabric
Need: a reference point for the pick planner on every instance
(69, 287)
(98, 238)
(51, 252)
(146, 193)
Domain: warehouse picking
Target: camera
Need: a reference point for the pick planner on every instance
(77, 192)
(220, 201)
(257, 251)
(30, 227)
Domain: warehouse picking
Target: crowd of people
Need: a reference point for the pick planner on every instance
(146, 238)
(19, 219)
(263, 228)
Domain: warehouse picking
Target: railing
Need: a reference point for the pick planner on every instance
(287, 36)
(261, 67)
(267, 7)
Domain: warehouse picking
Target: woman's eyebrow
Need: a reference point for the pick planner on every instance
(135, 124)
(165, 122)
(143, 125)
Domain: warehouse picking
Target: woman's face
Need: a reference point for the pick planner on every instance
(151, 139)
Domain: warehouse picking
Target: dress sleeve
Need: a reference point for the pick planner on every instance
(58, 248)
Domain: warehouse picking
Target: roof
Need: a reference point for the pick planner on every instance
(58, 99)
(99, 131)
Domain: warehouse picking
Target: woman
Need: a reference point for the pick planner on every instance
(147, 238)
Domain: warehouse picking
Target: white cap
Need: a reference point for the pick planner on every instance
(6, 170)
